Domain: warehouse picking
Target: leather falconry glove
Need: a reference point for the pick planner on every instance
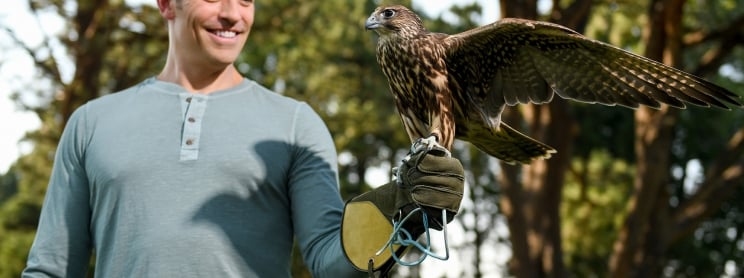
(429, 179)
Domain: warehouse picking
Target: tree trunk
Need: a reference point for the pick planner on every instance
(532, 193)
(641, 244)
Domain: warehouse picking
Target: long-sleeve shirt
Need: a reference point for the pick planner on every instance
(160, 182)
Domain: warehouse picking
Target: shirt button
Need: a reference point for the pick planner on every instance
(189, 142)
(191, 120)
(188, 99)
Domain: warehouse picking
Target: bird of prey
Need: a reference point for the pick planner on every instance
(456, 86)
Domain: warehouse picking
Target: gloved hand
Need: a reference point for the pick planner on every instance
(429, 179)
(432, 180)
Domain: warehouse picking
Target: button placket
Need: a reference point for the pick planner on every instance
(193, 107)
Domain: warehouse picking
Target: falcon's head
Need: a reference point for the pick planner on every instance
(398, 20)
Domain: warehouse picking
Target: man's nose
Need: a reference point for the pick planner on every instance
(229, 11)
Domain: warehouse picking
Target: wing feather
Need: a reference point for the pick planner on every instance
(584, 78)
(514, 61)
(677, 83)
(525, 85)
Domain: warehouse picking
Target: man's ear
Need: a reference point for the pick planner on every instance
(167, 8)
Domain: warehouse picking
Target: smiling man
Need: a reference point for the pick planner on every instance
(199, 172)
(205, 39)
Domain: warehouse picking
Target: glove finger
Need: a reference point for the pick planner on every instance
(437, 197)
(431, 164)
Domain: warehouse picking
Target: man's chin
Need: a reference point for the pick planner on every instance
(224, 60)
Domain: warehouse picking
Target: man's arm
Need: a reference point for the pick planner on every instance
(316, 204)
(62, 244)
(428, 180)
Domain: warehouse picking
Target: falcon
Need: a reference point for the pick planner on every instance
(456, 86)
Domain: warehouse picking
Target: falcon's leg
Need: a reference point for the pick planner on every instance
(429, 144)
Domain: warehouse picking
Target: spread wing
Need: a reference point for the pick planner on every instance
(515, 61)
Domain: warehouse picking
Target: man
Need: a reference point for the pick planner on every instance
(199, 172)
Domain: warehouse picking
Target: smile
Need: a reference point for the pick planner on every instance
(224, 33)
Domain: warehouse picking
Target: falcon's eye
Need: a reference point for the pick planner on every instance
(388, 13)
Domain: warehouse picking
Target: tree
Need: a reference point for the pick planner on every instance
(112, 46)
(652, 224)
(532, 193)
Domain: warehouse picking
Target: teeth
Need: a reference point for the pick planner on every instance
(226, 34)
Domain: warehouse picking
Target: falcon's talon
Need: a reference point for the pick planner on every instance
(396, 174)
(424, 143)
(429, 145)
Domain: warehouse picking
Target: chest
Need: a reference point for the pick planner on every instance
(177, 148)
(414, 69)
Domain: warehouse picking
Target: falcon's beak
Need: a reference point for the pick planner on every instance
(372, 23)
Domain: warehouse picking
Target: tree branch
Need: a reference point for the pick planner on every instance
(726, 173)
(576, 14)
(726, 37)
(49, 66)
(715, 57)
(52, 68)
(731, 29)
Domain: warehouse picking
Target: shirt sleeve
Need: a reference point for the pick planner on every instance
(62, 244)
(317, 207)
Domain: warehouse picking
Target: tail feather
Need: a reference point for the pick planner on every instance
(509, 145)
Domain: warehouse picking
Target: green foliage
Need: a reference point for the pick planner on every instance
(19, 217)
(619, 23)
(13, 251)
(8, 184)
(595, 198)
(714, 246)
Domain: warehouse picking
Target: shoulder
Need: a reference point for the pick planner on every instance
(117, 100)
(275, 103)
(305, 122)
(257, 92)
(104, 104)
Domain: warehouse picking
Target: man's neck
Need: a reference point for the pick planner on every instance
(202, 81)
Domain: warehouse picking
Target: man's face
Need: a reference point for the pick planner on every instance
(210, 32)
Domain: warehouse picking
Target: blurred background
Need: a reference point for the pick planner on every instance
(630, 193)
